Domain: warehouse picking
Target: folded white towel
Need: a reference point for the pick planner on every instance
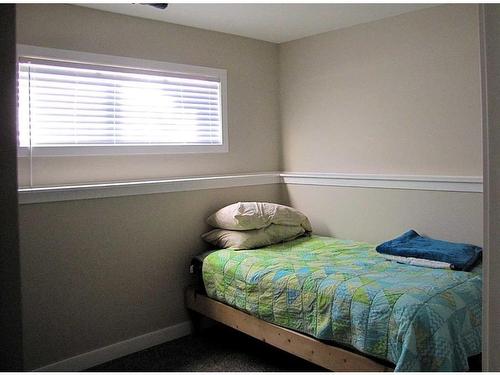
(417, 261)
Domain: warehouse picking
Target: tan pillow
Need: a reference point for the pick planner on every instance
(250, 239)
(256, 215)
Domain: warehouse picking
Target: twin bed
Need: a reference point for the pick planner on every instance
(341, 305)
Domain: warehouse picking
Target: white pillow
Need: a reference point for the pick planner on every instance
(256, 215)
(250, 239)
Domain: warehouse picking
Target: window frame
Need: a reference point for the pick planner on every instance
(119, 62)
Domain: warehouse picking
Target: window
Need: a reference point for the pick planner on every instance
(74, 103)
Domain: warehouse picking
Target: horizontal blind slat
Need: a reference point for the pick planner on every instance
(43, 81)
(41, 119)
(105, 105)
(65, 92)
(139, 126)
(69, 140)
(58, 73)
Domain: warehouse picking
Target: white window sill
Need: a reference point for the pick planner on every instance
(121, 150)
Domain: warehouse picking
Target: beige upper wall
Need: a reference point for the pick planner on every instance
(416, 77)
(253, 107)
(397, 96)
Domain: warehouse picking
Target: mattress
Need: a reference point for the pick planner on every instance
(420, 319)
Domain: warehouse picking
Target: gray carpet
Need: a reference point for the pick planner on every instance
(215, 349)
(218, 349)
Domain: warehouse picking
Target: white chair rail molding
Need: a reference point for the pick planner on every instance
(471, 184)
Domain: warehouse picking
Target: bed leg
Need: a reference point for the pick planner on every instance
(195, 317)
(196, 322)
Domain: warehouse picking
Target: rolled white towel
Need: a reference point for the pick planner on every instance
(417, 261)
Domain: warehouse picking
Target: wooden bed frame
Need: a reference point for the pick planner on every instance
(328, 356)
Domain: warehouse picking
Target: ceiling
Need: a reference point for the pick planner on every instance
(276, 23)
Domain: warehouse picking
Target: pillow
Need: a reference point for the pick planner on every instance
(256, 215)
(250, 239)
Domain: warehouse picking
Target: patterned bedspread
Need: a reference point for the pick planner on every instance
(418, 318)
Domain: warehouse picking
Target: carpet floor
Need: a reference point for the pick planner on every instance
(215, 349)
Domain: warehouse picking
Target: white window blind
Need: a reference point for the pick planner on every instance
(73, 108)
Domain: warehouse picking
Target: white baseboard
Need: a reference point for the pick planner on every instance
(120, 349)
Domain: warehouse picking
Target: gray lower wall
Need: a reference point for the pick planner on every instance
(99, 271)
(376, 215)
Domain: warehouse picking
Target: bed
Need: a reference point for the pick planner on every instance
(316, 293)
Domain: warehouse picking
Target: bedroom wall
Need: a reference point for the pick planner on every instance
(252, 71)
(96, 272)
(399, 96)
(491, 101)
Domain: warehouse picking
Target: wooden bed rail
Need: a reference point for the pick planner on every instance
(312, 350)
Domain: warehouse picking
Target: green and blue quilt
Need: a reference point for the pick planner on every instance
(420, 319)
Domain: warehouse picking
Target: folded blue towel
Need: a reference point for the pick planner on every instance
(461, 256)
